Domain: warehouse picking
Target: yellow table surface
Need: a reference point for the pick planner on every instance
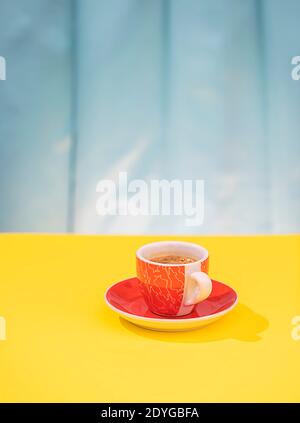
(64, 344)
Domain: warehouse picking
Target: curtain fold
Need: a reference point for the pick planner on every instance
(35, 115)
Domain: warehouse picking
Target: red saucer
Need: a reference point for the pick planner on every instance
(126, 299)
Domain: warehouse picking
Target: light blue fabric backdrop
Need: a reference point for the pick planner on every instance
(157, 88)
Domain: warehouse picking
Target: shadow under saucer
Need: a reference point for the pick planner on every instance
(241, 324)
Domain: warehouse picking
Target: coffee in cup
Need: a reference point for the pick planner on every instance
(172, 259)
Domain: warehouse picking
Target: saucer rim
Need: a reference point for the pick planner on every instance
(172, 320)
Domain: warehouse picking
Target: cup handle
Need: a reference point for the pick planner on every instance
(201, 291)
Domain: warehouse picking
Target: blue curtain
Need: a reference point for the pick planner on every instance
(197, 89)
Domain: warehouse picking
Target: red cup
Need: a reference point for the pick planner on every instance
(173, 289)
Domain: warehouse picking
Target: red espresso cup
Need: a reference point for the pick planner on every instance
(173, 289)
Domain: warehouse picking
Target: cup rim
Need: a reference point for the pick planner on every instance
(188, 244)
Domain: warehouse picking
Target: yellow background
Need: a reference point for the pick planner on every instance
(64, 344)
